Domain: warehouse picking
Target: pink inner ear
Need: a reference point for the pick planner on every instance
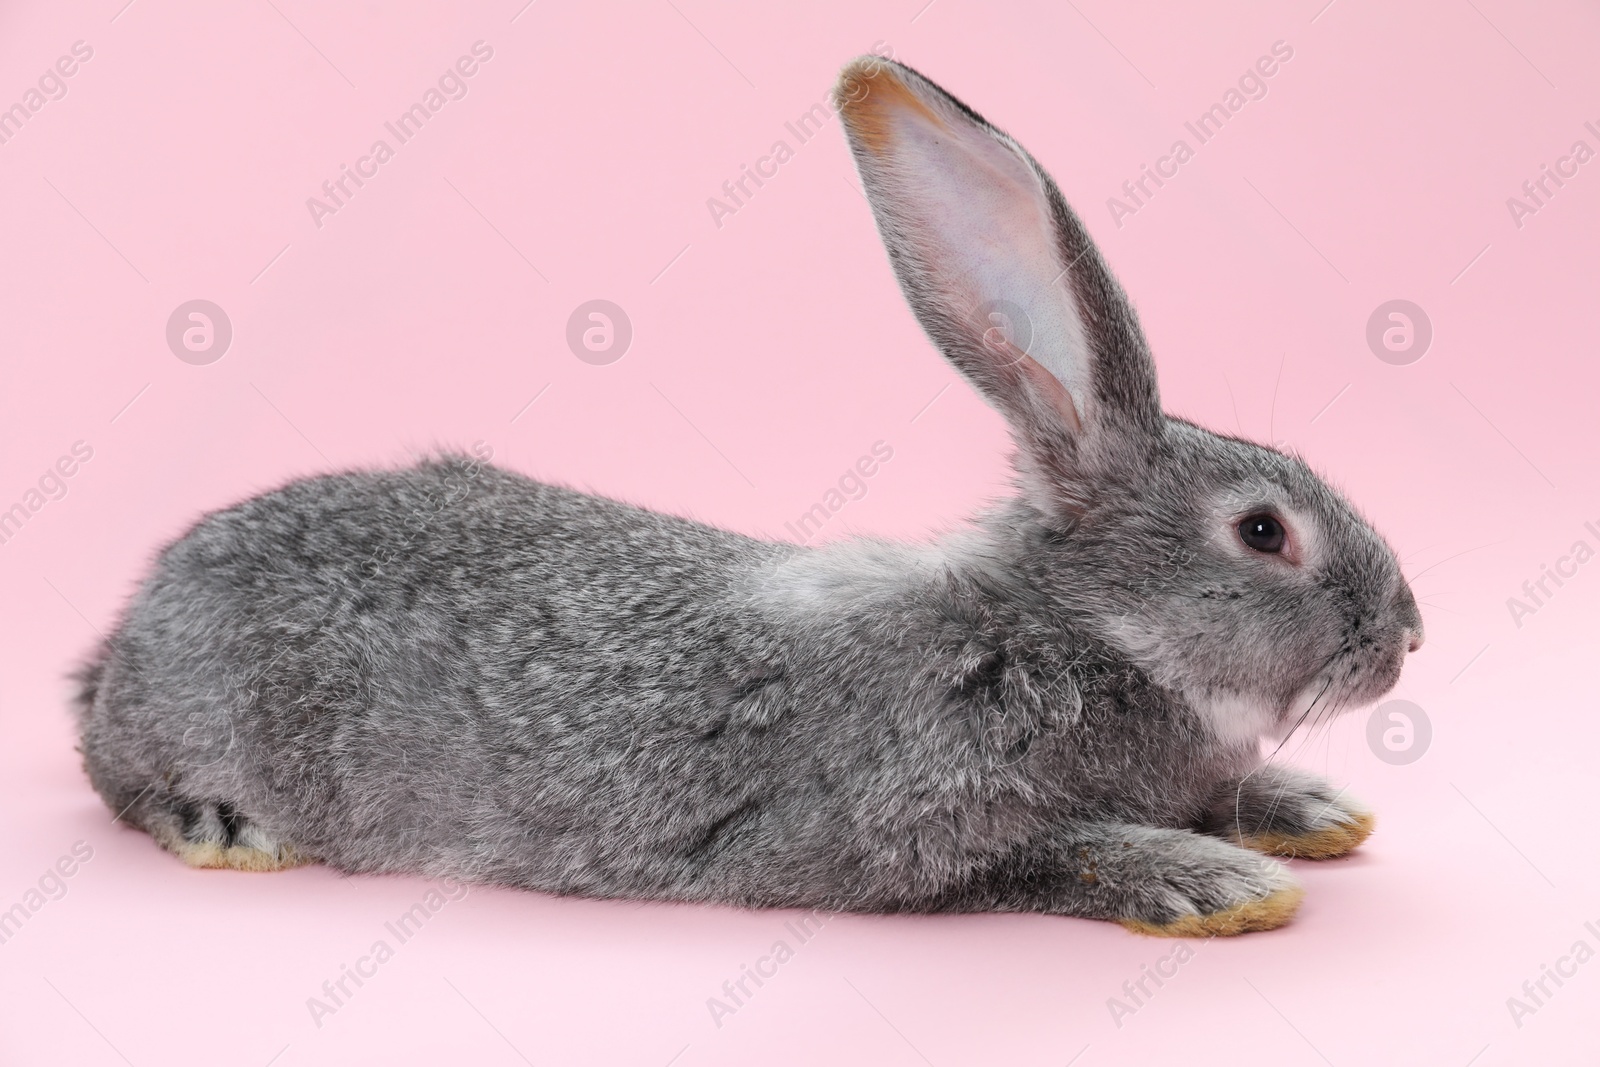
(977, 216)
(970, 221)
(1048, 386)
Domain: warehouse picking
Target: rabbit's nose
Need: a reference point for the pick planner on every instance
(1410, 616)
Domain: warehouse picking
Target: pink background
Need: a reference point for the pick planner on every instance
(769, 354)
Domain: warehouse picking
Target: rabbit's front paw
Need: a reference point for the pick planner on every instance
(1286, 812)
(1206, 888)
(1335, 831)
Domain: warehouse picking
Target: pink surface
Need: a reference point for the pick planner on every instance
(768, 354)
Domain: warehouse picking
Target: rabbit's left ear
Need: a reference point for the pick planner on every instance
(999, 271)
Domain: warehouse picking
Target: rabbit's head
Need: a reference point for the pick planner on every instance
(1226, 569)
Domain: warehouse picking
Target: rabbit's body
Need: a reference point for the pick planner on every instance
(432, 670)
(454, 669)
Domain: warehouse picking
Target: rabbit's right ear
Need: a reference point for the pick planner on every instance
(1000, 272)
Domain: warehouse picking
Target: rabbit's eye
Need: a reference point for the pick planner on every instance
(1264, 533)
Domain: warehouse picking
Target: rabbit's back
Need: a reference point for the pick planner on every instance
(426, 668)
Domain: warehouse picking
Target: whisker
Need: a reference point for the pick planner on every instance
(1238, 792)
(1458, 555)
(1272, 808)
(1300, 721)
(1417, 551)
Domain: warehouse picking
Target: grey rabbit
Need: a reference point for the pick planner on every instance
(457, 671)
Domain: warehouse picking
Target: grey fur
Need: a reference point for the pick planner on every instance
(455, 670)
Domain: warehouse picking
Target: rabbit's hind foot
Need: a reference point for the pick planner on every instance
(239, 857)
(215, 835)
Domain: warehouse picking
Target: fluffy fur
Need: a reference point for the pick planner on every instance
(456, 670)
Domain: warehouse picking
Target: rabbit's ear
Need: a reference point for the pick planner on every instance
(1000, 272)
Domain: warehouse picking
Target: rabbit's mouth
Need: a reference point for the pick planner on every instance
(1373, 674)
(1353, 677)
